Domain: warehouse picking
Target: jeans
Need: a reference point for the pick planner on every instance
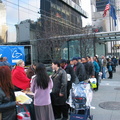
(103, 72)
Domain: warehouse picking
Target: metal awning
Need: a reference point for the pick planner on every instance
(108, 36)
(100, 36)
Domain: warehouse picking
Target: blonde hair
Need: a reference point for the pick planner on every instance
(19, 62)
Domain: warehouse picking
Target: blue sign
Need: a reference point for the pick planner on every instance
(13, 53)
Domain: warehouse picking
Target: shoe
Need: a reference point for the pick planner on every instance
(96, 89)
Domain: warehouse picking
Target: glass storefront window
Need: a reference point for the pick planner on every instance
(74, 49)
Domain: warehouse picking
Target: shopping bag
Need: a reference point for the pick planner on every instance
(23, 113)
(93, 82)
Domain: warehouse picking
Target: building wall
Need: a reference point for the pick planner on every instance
(107, 23)
(62, 14)
(3, 26)
(23, 31)
(100, 5)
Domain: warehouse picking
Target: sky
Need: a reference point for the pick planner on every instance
(28, 9)
(86, 6)
(19, 10)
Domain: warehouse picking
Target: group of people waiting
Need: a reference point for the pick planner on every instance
(50, 92)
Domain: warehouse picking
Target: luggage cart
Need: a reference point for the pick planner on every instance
(80, 110)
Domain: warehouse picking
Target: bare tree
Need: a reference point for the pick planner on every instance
(49, 39)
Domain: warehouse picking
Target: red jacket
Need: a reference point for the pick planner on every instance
(19, 78)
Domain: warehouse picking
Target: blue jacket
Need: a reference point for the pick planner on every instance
(96, 67)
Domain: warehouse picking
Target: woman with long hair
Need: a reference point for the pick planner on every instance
(7, 97)
(41, 85)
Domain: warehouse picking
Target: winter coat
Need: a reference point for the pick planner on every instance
(80, 71)
(104, 62)
(96, 67)
(114, 60)
(86, 65)
(7, 106)
(19, 78)
(110, 64)
(59, 86)
(91, 69)
(69, 70)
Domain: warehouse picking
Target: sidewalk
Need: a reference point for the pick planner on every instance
(107, 93)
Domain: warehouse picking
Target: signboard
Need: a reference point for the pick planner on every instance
(76, 7)
(13, 53)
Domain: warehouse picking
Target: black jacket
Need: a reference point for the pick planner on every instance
(110, 63)
(80, 71)
(59, 86)
(69, 70)
(7, 106)
(89, 67)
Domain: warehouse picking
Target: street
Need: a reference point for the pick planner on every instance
(109, 92)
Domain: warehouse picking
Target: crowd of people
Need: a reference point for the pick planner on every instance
(50, 92)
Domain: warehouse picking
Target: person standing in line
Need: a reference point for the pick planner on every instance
(7, 97)
(41, 85)
(19, 77)
(71, 63)
(104, 67)
(70, 74)
(59, 91)
(97, 70)
(89, 72)
(114, 60)
(31, 71)
(79, 59)
(91, 67)
(110, 65)
(6, 63)
(79, 69)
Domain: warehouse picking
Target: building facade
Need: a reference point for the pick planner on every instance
(63, 16)
(106, 24)
(3, 26)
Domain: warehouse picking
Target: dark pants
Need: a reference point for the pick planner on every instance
(110, 74)
(60, 110)
(69, 86)
(97, 78)
(114, 68)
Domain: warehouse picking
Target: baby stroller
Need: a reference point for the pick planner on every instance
(80, 111)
